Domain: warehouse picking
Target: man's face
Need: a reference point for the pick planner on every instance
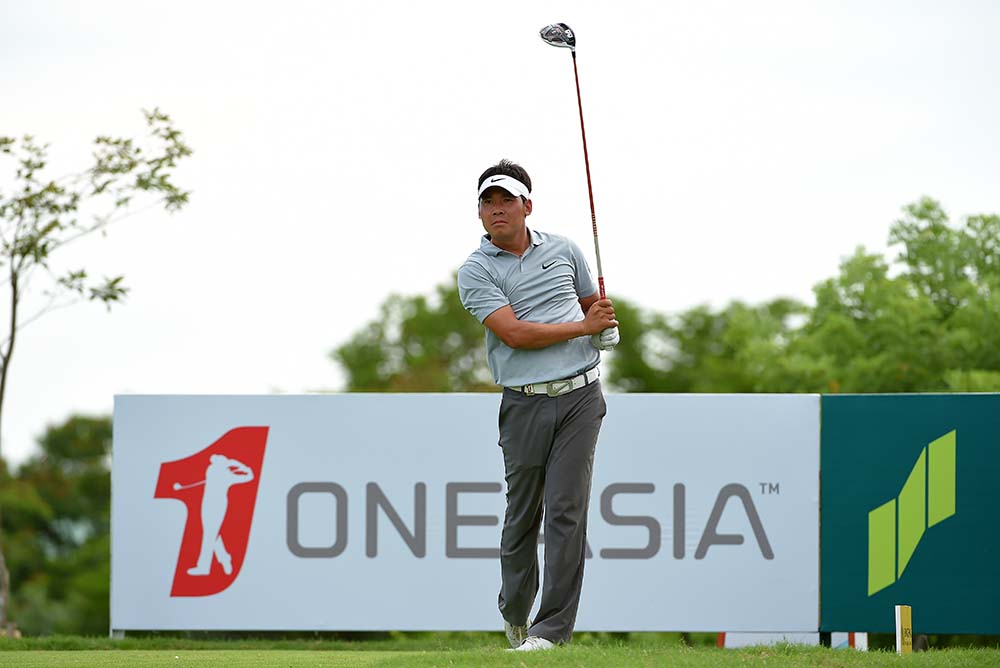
(503, 214)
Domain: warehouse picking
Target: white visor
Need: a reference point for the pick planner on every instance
(508, 183)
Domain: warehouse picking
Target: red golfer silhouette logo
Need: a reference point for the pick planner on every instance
(219, 487)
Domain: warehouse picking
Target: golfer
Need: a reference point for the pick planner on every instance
(545, 325)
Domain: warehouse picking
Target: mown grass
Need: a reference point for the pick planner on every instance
(595, 656)
(391, 641)
(435, 650)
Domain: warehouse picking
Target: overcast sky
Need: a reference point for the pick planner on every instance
(738, 151)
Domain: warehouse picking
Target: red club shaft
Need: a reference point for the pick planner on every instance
(590, 188)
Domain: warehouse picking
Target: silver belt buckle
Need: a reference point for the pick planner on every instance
(529, 390)
(557, 387)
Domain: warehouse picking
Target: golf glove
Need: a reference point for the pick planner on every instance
(606, 340)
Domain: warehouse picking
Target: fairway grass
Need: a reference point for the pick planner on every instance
(197, 658)
(592, 656)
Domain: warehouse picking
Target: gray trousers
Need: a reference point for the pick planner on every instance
(548, 450)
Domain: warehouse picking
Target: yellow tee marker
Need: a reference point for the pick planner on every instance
(904, 630)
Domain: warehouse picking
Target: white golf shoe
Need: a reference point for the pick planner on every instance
(515, 634)
(534, 644)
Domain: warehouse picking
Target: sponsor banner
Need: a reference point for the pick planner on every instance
(381, 511)
(908, 515)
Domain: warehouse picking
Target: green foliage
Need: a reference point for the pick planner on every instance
(926, 321)
(418, 345)
(57, 516)
(700, 350)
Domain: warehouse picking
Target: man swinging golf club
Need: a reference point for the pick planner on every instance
(546, 324)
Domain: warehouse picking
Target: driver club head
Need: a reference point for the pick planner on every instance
(558, 34)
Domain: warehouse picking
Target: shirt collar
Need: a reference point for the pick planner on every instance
(486, 245)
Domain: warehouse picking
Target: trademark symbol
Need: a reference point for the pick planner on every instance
(769, 487)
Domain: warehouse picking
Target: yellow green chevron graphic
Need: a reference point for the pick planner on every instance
(895, 528)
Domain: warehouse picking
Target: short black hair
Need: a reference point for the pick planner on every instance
(506, 168)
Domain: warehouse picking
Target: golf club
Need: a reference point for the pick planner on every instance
(561, 35)
(178, 486)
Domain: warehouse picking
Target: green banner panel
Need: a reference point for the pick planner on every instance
(907, 512)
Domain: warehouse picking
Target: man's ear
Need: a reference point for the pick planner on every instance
(527, 207)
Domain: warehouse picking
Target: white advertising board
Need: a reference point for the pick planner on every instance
(381, 511)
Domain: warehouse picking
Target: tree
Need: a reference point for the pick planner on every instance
(927, 322)
(421, 345)
(923, 321)
(418, 345)
(700, 350)
(58, 530)
(38, 216)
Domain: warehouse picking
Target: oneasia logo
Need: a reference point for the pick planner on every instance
(219, 488)
(895, 528)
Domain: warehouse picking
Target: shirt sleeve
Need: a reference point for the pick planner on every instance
(479, 293)
(584, 281)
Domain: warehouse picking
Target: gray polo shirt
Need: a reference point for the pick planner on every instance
(543, 285)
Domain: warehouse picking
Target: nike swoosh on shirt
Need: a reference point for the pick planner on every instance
(549, 264)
